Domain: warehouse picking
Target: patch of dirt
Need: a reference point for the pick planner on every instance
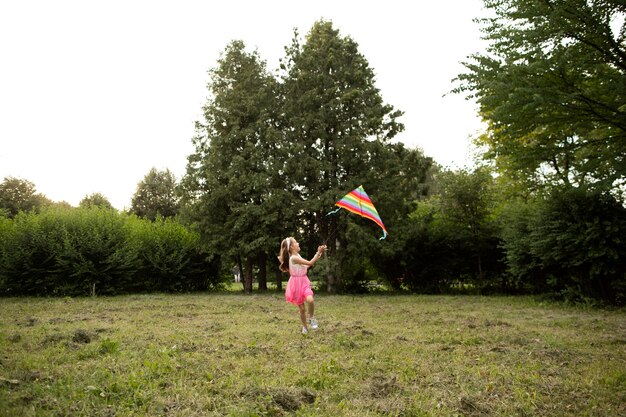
(291, 400)
(492, 323)
(499, 349)
(382, 386)
(28, 322)
(471, 407)
(286, 399)
(53, 338)
(81, 336)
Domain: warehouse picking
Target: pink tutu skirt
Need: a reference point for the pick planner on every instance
(298, 289)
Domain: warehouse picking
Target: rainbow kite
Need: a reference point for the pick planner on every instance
(357, 201)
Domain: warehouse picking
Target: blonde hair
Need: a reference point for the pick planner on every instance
(283, 256)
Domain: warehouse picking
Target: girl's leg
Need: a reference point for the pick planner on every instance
(309, 301)
(302, 314)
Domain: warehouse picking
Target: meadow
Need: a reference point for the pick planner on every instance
(229, 354)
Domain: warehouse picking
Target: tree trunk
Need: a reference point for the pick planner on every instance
(247, 276)
(262, 260)
(333, 281)
(481, 274)
(279, 279)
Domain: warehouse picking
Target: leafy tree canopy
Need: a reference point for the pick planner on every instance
(95, 200)
(19, 195)
(156, 195)
(552, 87)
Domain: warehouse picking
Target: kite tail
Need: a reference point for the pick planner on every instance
(384, 236)
(333, 212)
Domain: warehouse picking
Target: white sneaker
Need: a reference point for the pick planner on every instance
(313, 324)
(304, 330)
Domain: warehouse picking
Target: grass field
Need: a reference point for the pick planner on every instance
(235, 355)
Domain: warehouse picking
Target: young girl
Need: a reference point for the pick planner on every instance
(299, 287)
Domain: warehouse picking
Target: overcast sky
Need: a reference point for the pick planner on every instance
(95, 93)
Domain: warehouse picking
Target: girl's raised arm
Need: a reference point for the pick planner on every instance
(297, 259)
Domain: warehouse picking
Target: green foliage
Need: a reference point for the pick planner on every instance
(6, 229)
(552, 88)
(99, 251)
(433, 258)
(156, 195)
(571, 243)
(580, 238)
(98, 254)
(361, 257)
(450, 239)
(172, 259)
(233, 188)
(338, 132)
(467, 204)
(517, 220)
(31, 244)
(19, 195)
(272, 157)
(95, 200)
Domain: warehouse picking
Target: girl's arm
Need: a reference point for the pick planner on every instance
(297, 259)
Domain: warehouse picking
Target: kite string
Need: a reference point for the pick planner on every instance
(336, 226)
(331, 233)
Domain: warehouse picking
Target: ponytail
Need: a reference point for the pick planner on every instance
(283, 256)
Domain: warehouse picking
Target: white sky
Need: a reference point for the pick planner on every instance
(95, 93)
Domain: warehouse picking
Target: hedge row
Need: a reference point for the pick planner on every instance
(100, 251)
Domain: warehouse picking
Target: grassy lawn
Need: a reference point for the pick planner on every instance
(228, 354)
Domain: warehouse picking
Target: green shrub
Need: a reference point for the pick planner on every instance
(98, 254)
(6, 232)
(580, 237)
(171, 257)
(31, 244)
(99, 251)
(524, 267)
(572, 243)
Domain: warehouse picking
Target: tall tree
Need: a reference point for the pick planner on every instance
(334, 117)
(17, 195)
(156, 195)
(552, 87)
(232, 181)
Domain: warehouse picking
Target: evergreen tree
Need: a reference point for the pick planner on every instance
(335, 121)
(232, 182)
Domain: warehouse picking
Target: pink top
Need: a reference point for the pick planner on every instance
(296, 270)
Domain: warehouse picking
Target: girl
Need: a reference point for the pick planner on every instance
(299, 287)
